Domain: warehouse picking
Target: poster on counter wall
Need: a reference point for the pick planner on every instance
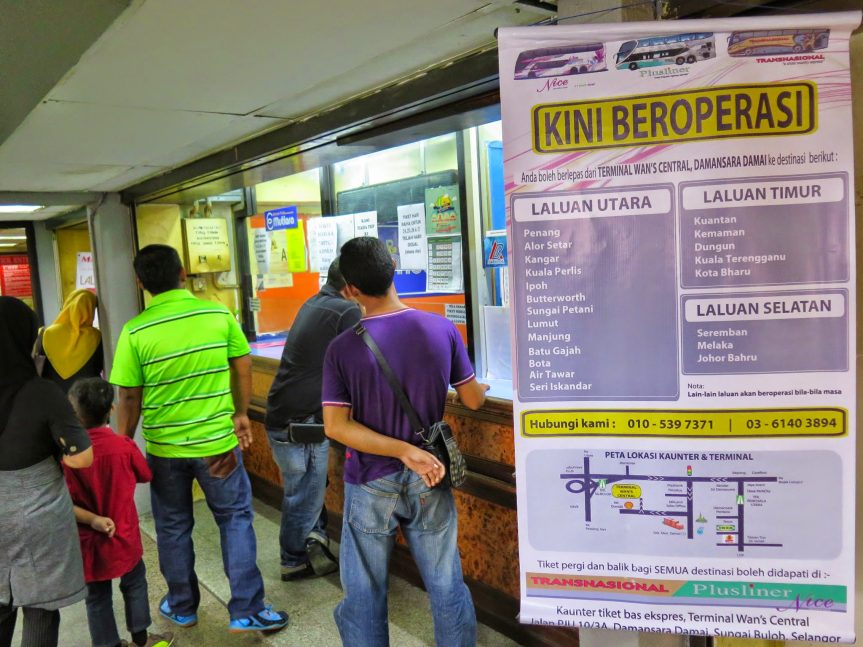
(680, 209)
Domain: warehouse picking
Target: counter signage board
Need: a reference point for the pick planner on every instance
(284, 218)
(680, 212)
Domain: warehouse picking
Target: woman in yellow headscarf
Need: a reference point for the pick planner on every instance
(71, 345)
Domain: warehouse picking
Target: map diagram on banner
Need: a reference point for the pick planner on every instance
(687, 503)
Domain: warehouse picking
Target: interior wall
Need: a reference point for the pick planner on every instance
(160, 224)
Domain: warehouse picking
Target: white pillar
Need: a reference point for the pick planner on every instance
(113, 242)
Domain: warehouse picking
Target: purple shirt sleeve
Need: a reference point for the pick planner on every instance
(461, 371)
(334, 391)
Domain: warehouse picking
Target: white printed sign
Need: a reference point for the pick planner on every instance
(413, 243)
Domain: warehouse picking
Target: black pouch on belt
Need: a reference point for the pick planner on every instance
(306, 432)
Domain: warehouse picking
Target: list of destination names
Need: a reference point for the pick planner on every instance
(771, 231)
(790, 230)
(583, 261)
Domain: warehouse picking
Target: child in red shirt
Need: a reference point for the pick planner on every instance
(103, 498)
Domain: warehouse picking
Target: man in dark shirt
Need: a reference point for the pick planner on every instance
(296, 397)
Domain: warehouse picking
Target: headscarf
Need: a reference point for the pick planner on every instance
(18, 328)
(71, 340)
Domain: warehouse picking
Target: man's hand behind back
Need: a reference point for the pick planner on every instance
(424, 464)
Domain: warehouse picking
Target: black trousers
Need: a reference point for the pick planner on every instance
(41, 627)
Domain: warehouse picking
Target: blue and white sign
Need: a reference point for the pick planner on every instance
(494, 251)
(284, 218)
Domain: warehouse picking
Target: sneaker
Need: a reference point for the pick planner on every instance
(160, 640)
(177, 619)
(296, 572)
(267, 621)
(323, 562)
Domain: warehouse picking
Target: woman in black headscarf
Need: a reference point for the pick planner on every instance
(40, 557)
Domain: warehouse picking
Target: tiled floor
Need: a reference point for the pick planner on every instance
(309, 602)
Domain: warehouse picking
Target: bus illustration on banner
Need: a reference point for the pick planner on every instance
(560, 61)
(777, 41)
(665, 50)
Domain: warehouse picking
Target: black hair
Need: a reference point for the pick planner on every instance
(158, 267)
(334, 276)
(92, 398)
(367, 265)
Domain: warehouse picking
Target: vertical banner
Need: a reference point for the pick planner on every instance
(680, 209)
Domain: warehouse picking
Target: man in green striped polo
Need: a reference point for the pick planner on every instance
(184, 365)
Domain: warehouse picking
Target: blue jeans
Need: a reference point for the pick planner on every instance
(100, 607)
(230, 500)
(373, 512)
(304, 473)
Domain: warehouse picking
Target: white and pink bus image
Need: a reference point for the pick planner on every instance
(560, 61)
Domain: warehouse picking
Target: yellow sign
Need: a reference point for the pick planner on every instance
(625, 491)
(721, 423)
(206, 245)
(718, 112)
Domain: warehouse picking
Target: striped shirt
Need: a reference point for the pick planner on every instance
(178, 351)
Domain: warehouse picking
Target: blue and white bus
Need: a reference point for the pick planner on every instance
(665, 50)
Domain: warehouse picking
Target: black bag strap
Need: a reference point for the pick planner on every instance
(395, 385)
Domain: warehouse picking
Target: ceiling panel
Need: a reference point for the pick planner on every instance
(169, 82)
(235, 57)
(17, 175)
(42, 214)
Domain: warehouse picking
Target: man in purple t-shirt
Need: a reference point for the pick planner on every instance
(388, 477)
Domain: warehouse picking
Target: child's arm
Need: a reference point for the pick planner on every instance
(100, 524)
(139, 464)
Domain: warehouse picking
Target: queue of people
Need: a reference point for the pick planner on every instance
(183, 370)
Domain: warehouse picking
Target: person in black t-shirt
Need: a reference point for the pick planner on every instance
(296, 397)
(40, 557)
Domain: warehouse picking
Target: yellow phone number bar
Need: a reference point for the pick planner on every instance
(719, 423)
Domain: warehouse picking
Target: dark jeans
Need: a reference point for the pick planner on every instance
(100, 607)
(41, 627)
(230, 500)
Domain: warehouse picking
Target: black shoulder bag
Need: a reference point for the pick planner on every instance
(437, 439)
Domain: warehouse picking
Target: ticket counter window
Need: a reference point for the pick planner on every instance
(492, 292)
(283, 265)
(409, 196)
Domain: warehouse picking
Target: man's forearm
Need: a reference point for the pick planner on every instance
(359, 437)
(129, 410)
(241, 383)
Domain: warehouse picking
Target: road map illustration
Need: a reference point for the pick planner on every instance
(709, 503)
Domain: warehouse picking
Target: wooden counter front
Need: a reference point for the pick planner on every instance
(488, 527)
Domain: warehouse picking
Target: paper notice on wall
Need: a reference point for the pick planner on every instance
(413, 244)
(444, 264)
(456, 313)
(278, 252)
(280, 280)
(296, 247)
(326, 243)
(261, 243)
(345, 228)
(366, 224)
(85, 277)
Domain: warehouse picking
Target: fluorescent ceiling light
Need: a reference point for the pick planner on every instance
(20, 208)
(13, 237)
(8, 244)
